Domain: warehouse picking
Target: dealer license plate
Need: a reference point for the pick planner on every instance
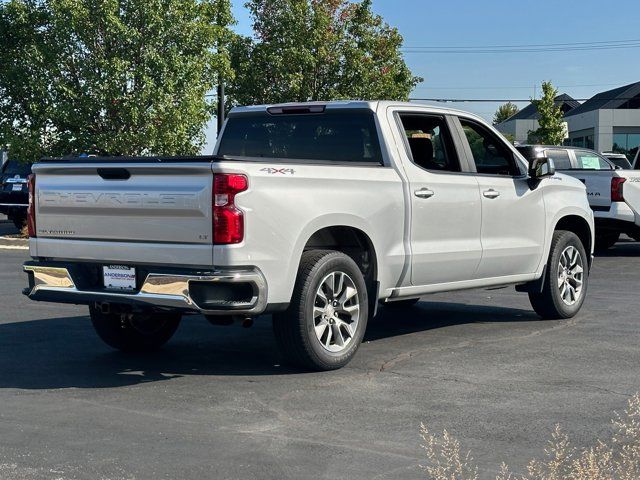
(119, 277)
(16, 187)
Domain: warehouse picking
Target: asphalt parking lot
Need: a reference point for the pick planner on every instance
(217, 403)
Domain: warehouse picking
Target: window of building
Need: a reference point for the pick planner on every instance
(626, 143)
(588, 142)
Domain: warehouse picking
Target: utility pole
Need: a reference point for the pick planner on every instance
(221, 106)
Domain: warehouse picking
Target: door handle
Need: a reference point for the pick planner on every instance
(491, 193)
(424, 193)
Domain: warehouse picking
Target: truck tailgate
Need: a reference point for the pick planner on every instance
(598, 183)
(113, 205)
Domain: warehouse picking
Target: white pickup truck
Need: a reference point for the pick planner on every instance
(614, 193)
(313, 212)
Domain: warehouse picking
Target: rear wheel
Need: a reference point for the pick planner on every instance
(565, 285)
(19, 220)
(604, 241)
(326, 320)
(134, 332)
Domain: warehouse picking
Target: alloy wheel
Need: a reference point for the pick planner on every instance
(336, 312)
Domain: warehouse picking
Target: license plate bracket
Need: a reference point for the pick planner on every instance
(119, 278)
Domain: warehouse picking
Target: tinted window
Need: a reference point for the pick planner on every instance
(13, 167)
(560, 158)
(340, 136)
(620, 162)
(591, 161)
(490, 155)
(429, 142)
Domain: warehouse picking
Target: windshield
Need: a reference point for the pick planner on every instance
(344, 136)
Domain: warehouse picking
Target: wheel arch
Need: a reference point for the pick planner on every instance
(351, 241)
(579, 226)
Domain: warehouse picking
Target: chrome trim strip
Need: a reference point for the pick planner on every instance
(14, 205)
(163, 290)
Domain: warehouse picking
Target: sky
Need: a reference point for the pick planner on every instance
(473, 23)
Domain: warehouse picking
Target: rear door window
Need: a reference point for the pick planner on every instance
(341, 136)
(591, 161)
(560, 158)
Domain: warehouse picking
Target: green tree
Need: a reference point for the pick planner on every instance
(113, 76)
(318, 50)
(551, 130)
(504, 112)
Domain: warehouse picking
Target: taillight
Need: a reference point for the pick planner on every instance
(228, 220)
(617, 184)
(31, 211)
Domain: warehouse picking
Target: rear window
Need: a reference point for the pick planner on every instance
(560, 158)
(13, 167)
(337, 136)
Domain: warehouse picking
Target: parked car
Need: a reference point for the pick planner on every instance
(619, 160)
(14, 194)
(636, 160)
(614, 194)
(314, 213)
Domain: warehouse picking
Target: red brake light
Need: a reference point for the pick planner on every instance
(31, 211)
(617, 194)
(228, 220)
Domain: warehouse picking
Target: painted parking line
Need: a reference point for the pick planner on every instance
(13, 243)
(13, 247)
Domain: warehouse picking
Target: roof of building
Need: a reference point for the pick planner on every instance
(609, 100)
(530, 112)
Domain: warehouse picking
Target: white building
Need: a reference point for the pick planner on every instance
(609, 121)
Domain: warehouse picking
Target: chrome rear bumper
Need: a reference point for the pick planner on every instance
(159, 290)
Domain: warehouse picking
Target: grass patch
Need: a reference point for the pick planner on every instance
(617, 458)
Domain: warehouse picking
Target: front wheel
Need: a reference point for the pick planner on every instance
(567, 277)
(325, 322)
(134, 332)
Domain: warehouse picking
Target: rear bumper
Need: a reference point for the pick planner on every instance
(220, 292)
(619, 211)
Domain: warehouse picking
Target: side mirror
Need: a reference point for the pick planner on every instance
(541, 168)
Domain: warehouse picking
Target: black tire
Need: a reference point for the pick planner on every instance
(549, 303)
(605, 241)
(134, 332)
(401, 304)
(19, 220)
(295, 329)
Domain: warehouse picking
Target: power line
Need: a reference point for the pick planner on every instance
(523, 87)
(523, 48)
(633, 40)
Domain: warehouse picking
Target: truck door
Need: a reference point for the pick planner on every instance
(445, 203)
(513, 214)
